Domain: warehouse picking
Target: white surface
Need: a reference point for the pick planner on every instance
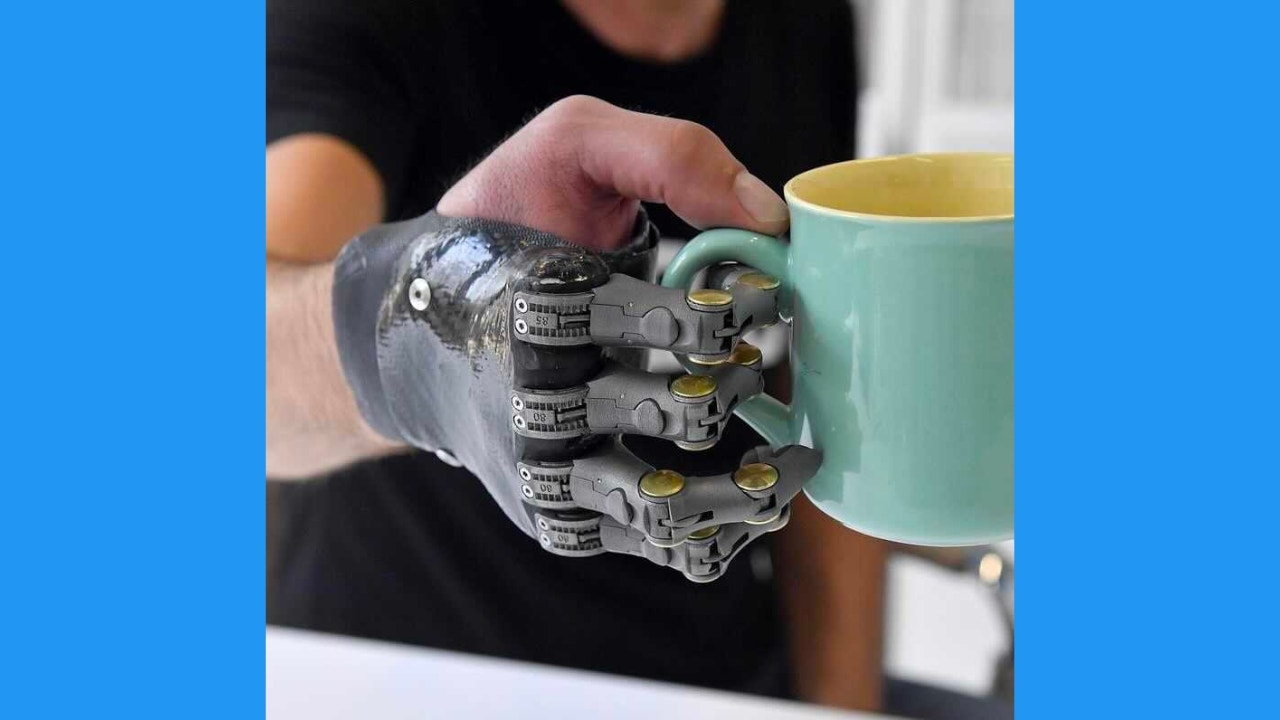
(941, 628)
(313, 676)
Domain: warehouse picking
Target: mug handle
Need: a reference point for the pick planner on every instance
(768, 416)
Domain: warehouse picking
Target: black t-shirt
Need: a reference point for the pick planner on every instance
(410, 549)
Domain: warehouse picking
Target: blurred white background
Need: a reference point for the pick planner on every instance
(937, 76)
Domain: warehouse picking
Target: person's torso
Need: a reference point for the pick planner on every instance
(412, 550)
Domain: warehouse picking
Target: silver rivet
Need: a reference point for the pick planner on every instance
(516, 402)
(519, 421)
(522, 327)
(527, 491)
(704, 533)
(543, 525)
(782, 522)
(764, 521)
(521, 305)
(525, 474)
(419, 294)
(545, 539)
(447, 457)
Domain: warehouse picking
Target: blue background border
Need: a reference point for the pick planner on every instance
(131, 519)
(1146, 358)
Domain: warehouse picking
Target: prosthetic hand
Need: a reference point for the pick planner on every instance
(505, 350)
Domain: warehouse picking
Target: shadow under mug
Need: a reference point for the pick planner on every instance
(898, 279)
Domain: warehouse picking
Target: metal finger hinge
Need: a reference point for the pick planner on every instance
(684, 409)
(626, 311)
(702, 558)
(747, 495)
(755, 294)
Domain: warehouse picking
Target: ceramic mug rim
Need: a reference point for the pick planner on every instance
(795, 201)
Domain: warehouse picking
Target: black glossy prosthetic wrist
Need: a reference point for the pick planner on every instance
(361, 275)
(419, 312)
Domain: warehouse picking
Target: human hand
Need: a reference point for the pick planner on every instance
(580, 169)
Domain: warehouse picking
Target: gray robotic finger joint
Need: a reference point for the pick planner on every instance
(626, 400)
(625, 311)
(550, 414)
(546, 484)
(570, 534)
(755, 294)
(550, 319)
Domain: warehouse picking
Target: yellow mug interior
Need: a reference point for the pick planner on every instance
(944, 186)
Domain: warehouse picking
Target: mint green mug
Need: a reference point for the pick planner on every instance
(898, 279)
